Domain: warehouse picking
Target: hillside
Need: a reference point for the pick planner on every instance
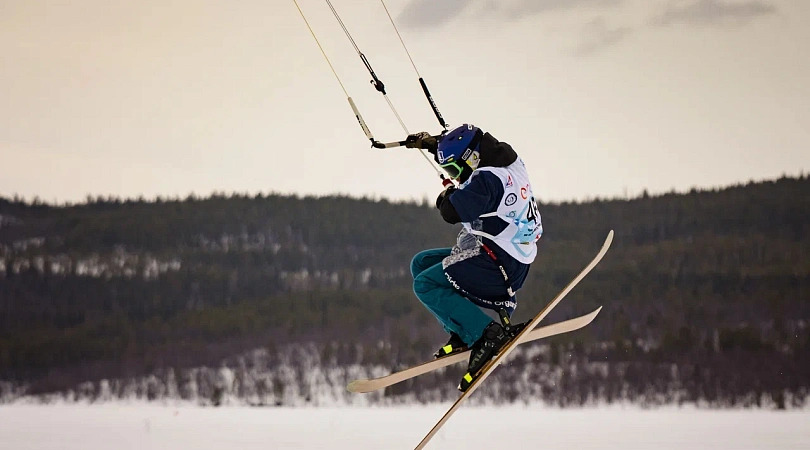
(714, 283)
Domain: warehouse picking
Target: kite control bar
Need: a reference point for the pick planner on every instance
(377, 144)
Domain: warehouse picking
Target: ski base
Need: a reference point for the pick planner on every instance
(511, 345)
(373, 384)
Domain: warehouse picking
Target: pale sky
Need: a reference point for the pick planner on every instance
(600, 97)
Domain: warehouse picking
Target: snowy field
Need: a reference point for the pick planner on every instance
(140, 426)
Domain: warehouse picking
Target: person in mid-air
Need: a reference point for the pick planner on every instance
(497, 243)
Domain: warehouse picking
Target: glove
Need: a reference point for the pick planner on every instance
(444, 194)
(423, 140)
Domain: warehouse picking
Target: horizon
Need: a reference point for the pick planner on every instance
(92, 199)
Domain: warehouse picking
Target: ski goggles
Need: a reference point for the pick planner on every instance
(452, 169)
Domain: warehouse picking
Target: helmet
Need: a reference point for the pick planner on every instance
(457, 152)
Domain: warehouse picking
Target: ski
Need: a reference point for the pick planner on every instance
(511, 345)
(363, 386)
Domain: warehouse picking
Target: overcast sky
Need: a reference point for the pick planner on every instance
(600, 97)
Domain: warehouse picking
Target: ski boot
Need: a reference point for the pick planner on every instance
(454, 345)
(493, 339)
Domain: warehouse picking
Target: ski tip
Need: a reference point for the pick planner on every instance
(605, 245)
(588, 318)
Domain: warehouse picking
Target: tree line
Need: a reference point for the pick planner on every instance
(712, 282)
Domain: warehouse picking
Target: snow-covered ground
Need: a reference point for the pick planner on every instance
(146, 426)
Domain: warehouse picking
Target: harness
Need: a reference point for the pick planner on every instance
(508, 305)
(491, 254)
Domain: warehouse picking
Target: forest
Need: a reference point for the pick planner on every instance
(710, 288)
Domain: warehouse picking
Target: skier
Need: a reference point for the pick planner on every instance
(493, 251)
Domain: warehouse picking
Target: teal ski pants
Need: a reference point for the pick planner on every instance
(455, 312)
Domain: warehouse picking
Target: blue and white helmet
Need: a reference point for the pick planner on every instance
(458, 153)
